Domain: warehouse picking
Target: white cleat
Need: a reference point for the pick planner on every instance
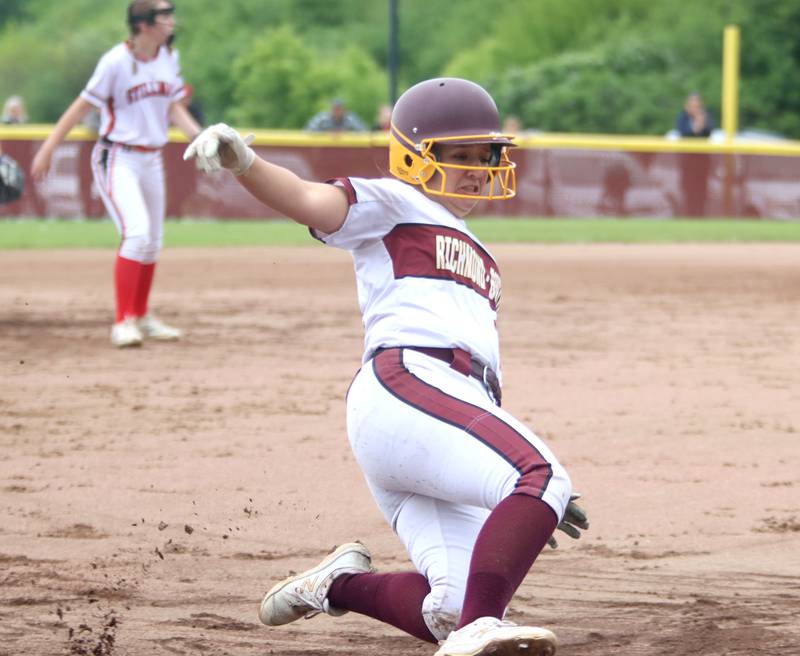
(126, 333)
(153, 328)
(306, 594)
(488, 636)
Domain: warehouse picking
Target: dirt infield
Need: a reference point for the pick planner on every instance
(150, 497)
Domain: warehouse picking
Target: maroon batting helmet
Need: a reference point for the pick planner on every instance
(447, 111)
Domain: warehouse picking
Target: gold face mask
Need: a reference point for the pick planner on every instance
(417, 164)
(448, 111)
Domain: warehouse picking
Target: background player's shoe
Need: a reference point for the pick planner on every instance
(306, 594)
(126, 333)
(488, 635)
(153, 328)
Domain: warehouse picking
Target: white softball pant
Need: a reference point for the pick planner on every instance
(131, 184)
(438, 456)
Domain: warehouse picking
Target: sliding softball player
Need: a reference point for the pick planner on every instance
(473, 494)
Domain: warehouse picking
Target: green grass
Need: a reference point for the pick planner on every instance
(32, 234)
(633, 231)
(38, 234)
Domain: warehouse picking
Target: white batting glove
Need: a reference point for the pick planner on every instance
(221, 147)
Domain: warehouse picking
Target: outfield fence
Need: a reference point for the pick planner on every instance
(558, 175)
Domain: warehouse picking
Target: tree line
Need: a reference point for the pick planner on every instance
(612, 66)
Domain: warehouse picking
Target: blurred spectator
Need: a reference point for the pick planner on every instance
(383, 119)
(336, 119)
(694, 121)
(14, 110)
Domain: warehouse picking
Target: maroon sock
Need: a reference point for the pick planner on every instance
(510, 540)
(126, 280)
(394, 598)
(143, 289)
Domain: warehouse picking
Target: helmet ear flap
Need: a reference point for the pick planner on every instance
(413, 167)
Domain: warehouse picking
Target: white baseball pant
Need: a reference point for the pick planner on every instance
(438, 456)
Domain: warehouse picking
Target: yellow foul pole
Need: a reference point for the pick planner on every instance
(730, 109)
(730, 81)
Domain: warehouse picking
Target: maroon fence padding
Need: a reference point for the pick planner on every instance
(554, 182)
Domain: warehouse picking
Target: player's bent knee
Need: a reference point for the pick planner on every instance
(557, 486)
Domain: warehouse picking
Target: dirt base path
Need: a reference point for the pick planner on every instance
(149, 497)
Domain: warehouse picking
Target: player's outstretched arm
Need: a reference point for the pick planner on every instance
(317, 205)
(74, 114)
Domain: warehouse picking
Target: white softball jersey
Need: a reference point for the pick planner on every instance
(134, 95)
(437, 452)
(423, 278)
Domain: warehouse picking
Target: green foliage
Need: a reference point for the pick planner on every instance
(358, 80)
(633, 81)
(281, 82)
(48, 72)
(211, 36)
(588, 65)
(433, 32)
(271, 81)
(770, 88)
(526, 33)
(10, 10)
(635, 87)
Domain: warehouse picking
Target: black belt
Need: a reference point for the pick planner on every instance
(137, 149)
(460, 360)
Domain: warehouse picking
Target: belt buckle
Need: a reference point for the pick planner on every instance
(487, 383)
(485, 377)
(493, 386)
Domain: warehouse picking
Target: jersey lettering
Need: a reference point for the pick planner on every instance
(147, 90)
(429, 251)
(458, 256)
(133, 96)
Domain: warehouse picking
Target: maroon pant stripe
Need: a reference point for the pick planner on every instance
(535, 471)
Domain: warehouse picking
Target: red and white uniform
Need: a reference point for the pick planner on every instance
(134, 97)
(437, 451)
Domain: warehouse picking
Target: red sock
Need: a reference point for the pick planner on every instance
(507, 545)
(126, 280)
(394, 598)
(143, 289)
